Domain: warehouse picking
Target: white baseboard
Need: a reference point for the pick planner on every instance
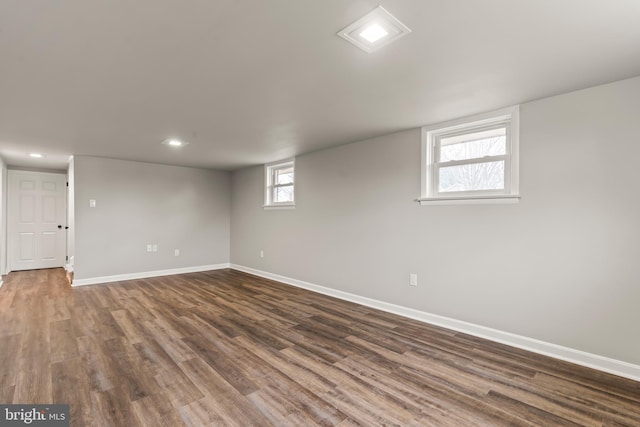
(594, 361)
(147, 274)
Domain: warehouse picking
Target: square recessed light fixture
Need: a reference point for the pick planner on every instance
(173, 142)
(374, 30)
(374, 33)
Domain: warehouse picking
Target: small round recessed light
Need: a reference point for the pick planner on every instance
(172, 142)
(36, 155)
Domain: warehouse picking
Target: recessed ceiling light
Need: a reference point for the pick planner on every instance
(374, 30)
(36, 155)
(374, 33)
(172, 142)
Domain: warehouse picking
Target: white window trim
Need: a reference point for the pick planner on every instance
(268, 184)
(431, 133)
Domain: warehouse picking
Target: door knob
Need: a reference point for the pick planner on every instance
(59, 227)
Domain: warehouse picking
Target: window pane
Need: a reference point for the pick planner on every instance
(476, 176)
(284, 176)
(473, 145)
(283, 194)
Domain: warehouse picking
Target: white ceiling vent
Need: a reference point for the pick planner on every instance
(376, 29)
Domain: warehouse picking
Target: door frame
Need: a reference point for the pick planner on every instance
(4, 269)
(9, 249)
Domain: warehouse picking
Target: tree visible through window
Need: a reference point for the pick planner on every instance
(472, 162)
(471, 158)
(283, 184)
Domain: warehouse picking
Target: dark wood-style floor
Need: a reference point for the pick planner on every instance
(227, 348)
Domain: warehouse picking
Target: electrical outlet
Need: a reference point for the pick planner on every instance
(176, 252)
(413, 279)
(155, 248)
(261, 254)
(92, 203)
(149, 248)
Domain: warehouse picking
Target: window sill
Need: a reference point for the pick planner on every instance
(470, 200)
(281, 206)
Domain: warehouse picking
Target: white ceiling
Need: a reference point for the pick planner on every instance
(248, 82)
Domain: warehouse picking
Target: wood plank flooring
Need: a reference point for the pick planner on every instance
(227, 348)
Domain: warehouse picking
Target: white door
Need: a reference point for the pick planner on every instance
(36, 220)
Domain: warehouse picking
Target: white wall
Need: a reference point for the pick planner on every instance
(141, 203)
(560, 266)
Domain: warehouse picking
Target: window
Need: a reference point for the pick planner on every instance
(280, 182)
(473, 160)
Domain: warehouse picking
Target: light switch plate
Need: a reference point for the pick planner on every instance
(413, 279)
